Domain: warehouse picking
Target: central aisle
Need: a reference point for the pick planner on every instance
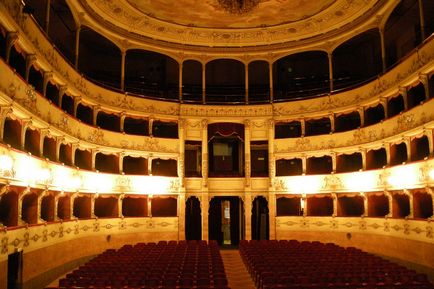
(236, 272)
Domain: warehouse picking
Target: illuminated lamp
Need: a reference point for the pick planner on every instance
(403, 177)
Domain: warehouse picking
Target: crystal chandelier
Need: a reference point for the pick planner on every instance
(238, 6)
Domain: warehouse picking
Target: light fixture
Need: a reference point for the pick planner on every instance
(238, 6)
(6, 166)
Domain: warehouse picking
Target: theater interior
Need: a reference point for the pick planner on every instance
(270, 144)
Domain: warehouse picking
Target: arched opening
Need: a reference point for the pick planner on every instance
(260, 219)
(419, 148)
(357, 60)
(350, 206)
(99, 58)
(62, 29)
(161, 167)
(422, 205)
(225, 81)
(225, 220)
(416, 95)
(136, 126)
(32, 142)
(85, 114)
(290, 129)
(259, 81)
(135, 165)
(83, 159)
(166, 206)
(135, 206)
(289, 205)
(301, 75)
(107, 163)
(402, 31)
(193, 159)
(64, 207)
(82, 207)
(9, 209)
(376, 159)
(47, 208)
(318, 126)
(192, 81)
(36, 79)
(395, 106)
(12, 133)
(400, 205)
(319, 205)
(378, 205)
(374, 114)
(226, 149)
(291, 167)
(319, 165)
(193, 219)
(17, 60)
(346, 163)
(65, 154)
(151, 74)
(106, 207)
(68, 104)
(108, 121)
(30, 208)
(346, 122)
(165, 129)
(52, 93)
(398, 154)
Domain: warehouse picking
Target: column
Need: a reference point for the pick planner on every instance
(62, 91)
(123, 54)
(30, 60)
(334, 161)
(272, 214)
(304, 201)
(335, 204)
(47, 16)
(73, 197)
(74, 147)
(430, 137)
(95, 110)
(181, 215)
(59, 141)
(363, 152)
(150, 125)
(407, 142)
(150, 158)
(403, 92)
(390, 198)
(204, 125)
(121, 162)
(303, 127)
(56, 206)
(271, 157)
(304, 163)
(43, 133)
(383, 49)
(77, 100)
(422, 20)
(246, 82)
(332, 118)
(330, 58)
(77, 45)
(120, 204)
(270, 76)
(388, 156)
(410, 200)
(248, 214)
(122, 121)
(11, 38)
(361, 111)
(149, 206)
(365, 205)
(181, 159)
(94, 152)
(47, 76)
(425, 81)
(20, 205)
(430, 191)
(204, 206)
(203, 83)
(4, 112)
(40, 197)
(383, 102)
(92, 205)
(247, 161)
(24, 125)
(180, 81)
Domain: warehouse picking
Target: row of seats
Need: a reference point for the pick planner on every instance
(292, 264)
(165, 265)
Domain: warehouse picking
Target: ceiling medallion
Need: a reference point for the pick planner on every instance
(238, 6)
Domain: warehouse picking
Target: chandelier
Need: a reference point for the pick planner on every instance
(238, 6)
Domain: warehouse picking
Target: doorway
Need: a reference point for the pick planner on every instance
(260, 219)
(226, 220)
(193, 219)
(15, 270)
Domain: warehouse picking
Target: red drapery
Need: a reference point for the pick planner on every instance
(226, 129)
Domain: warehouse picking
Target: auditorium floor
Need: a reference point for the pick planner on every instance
(236, 272)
